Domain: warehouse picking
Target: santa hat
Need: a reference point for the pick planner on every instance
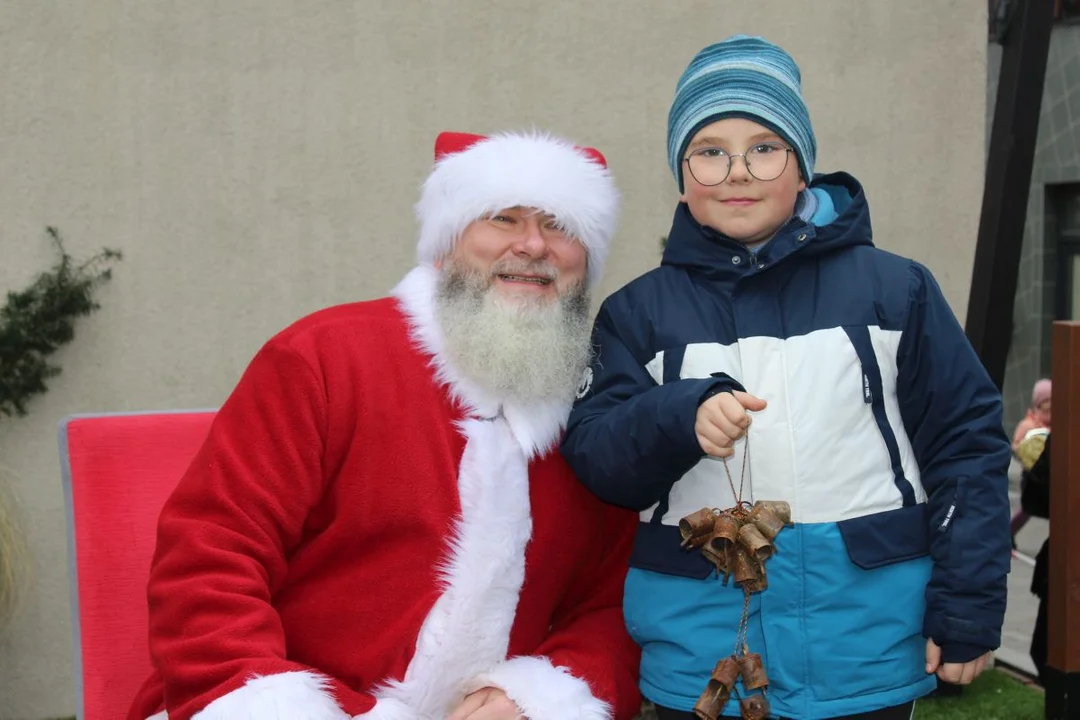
(475, 176)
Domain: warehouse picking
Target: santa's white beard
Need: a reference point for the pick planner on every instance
(520, 349)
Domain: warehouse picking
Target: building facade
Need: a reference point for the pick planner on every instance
(258, 159)
(1048, 286)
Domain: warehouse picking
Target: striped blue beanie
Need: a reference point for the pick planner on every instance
(747, 77)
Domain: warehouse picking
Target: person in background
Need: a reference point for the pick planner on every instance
(1037, 417)
(1035, 500)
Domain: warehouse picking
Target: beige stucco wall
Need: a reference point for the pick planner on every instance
(258, 159)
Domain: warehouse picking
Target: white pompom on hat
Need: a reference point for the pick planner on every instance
(475, 176)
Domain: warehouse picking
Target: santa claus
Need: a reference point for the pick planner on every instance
(379, 525)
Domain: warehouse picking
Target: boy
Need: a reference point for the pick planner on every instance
(872, 418)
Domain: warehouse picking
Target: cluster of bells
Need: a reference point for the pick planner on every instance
(737, 542)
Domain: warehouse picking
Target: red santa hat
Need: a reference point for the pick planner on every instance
(476, 175)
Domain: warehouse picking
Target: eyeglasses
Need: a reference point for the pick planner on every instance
(712, 165)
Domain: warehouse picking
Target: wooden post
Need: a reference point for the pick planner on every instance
(1025, 45)
(1063, 612)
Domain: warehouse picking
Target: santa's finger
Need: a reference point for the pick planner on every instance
(470, 705)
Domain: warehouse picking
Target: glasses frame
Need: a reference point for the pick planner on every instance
(731, 159)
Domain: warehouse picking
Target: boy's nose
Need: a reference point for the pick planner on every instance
(740, 170)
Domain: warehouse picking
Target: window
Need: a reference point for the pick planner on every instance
(1063, 251)
(1000, 12)
(1069, 303)
(1065, 10)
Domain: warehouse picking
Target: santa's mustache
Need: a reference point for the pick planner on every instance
(536, 268)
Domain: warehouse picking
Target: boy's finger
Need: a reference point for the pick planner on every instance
(712, 449)
(730, 409)
(951, 672)
(933, 657)
(716, 434)
(968, 672)
(748, 401)
(736, 415)
(729, 426)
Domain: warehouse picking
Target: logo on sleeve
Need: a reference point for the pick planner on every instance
(586, 383)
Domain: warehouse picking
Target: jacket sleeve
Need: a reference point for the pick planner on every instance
(587, 667)
(223, 540)
(953, 416)
(630, 438)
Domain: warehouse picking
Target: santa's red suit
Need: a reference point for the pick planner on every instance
(367, 533)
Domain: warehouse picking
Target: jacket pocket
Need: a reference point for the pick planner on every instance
(874, 396)
(657, 548)
(881, 539)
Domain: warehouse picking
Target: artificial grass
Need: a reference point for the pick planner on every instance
(994, 695)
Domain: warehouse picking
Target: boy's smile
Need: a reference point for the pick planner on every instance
(739, 201)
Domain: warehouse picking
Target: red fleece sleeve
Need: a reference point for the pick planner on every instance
(225, 534)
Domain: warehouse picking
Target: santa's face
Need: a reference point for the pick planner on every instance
(513, 306)
(527, 255)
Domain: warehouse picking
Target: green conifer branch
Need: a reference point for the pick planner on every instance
(35, 322)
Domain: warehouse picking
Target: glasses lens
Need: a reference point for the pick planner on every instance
(767, 161)
(709, 166)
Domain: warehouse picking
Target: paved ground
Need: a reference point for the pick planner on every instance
(1020, 613)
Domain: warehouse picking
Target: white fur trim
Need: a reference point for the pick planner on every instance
(543, 691)
(537, 426)
(468, 630)
(285, 696)
(510, 169)
(160, 716)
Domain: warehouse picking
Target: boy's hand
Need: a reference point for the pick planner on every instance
(722, 419)
(955, 673)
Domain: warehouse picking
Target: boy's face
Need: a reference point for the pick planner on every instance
(742, 207)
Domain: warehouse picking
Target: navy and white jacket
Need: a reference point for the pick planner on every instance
(883, 432)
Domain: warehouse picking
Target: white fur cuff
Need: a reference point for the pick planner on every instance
(543, 691)
(286, 696)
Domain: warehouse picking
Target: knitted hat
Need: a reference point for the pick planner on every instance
(475, 176)
(741, 77)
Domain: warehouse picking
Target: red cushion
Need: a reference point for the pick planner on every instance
(118, 471)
